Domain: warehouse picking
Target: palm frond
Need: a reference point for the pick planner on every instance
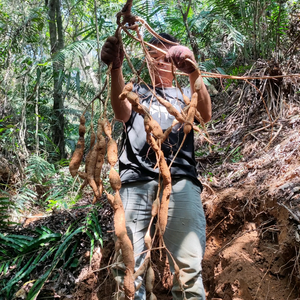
(22, 254)
(6, 206)
(77, 49)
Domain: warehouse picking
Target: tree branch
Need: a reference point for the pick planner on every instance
(192, 39)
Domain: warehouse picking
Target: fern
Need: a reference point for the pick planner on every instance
(24, 198)
(38, 169)
(6, 207)
(65, 192)
(78, 49)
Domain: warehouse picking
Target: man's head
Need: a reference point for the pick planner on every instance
(156, 41)
(163, 69)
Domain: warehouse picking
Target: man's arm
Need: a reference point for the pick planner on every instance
(179, 55)
(204, 101)
(112, 52)
(122, 108)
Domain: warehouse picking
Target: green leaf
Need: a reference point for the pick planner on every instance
(12, 242)
(96, 222)
(45, 238)
(71, 255)
(92, 244)
(38, 75)
(75, 263)
(22, 273)
(45, 64)
(34, 291)
(5, 268)
(48, 253)
(67, 238)
(21, 237)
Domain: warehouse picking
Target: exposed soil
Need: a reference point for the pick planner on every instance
(251, 197)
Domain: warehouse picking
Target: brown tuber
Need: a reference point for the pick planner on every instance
(114, 179)
(90, 171)
(186, 99)
(119, 222)
(150, 277)
(110, 199)
(127, 252)
(171, 109)
(147, 240)
(155, 207)
(77, 157)
(141, 270)
(163, 210)
(152, 297)
(191, 114)
(127, 88)
(78, 153)
(133, 98)
(112, 152)
(152, 126)
(106, 127)
(129, 285)
(101, 145)
(81, 130)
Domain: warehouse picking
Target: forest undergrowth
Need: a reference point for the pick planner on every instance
(251, 198)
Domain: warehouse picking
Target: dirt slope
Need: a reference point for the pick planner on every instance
(252, 204)
(253, 226)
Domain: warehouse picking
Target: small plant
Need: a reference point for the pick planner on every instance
(93, 230)
(236, 155)
(6, 206)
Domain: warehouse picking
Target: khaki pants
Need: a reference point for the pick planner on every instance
(184, 236)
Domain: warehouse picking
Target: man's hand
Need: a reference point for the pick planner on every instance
(112, 52)
(178, 55)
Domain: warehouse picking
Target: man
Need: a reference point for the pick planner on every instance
(184, 236)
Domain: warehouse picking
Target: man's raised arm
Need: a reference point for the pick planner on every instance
(113, 53)
(178, 55)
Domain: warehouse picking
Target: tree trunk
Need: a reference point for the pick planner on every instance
(192, 38)
(278, 31)
(57, 43)
(37, 142)
(23, 125)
